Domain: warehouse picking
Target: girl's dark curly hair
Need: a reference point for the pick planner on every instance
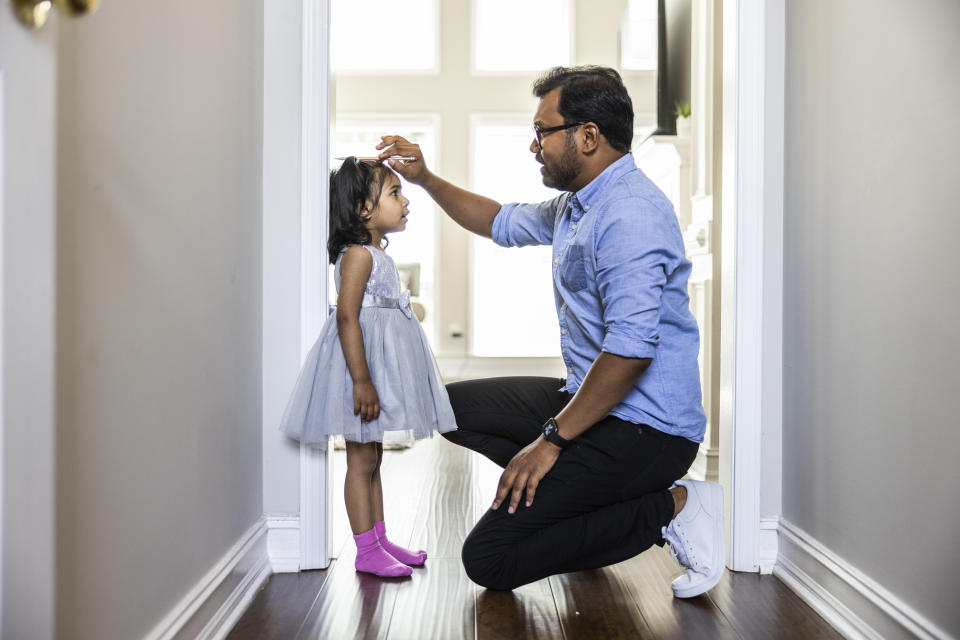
(352, 186)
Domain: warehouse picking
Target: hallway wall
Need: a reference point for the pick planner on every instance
(872, 322)
(159, 305)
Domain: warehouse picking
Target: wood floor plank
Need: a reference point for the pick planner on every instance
(648, 577)
(447, 506)
(280, 607)
(527, 612)
(597, 604)
(434, 493)
(352, 604)
(763, 607)
(439, 603)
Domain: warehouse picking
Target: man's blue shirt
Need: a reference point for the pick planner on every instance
(620, 284)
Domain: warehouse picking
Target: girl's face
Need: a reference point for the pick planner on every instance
(390, 214)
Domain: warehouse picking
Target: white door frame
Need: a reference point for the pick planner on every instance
(752, 275)
(751, 296)
(315, 120)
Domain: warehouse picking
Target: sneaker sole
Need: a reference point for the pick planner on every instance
(719, 552)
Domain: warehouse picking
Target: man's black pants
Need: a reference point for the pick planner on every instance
(604, 501)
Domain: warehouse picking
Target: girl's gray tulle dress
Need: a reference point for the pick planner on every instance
(413, 399)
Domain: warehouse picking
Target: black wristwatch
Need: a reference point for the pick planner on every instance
(552, 435)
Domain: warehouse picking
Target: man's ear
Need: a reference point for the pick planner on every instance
(591, 137)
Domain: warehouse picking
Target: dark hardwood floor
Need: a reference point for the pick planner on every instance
(434, 492)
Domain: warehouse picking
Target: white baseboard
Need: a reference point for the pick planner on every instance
(216, 602)
(768, 544)
(283, 543)
(461, 367)
(856, 605)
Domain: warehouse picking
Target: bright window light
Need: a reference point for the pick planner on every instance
(359, 30)
(512, 298)
(638, 36)
(521, 35)
(358, 135)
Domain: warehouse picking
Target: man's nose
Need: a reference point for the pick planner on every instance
(534, 146)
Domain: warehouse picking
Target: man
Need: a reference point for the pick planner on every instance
(589, 460)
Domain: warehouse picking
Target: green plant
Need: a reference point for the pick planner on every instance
(681, 110)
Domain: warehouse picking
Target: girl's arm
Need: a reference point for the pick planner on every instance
(355, 269)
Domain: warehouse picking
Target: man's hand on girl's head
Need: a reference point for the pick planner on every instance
(413, 171)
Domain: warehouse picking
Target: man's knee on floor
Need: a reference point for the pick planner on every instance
(485, 568)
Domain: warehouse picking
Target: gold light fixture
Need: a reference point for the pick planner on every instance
(34, 13)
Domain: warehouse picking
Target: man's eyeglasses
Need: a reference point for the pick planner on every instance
(538, 131)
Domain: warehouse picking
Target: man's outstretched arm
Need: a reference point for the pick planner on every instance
(471, 211)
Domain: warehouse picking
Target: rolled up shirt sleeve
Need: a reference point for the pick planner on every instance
(635, 252)
(522, 225)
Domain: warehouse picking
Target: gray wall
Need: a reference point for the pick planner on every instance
(872, 317)
(159, 305)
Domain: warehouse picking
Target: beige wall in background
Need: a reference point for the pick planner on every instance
(871, 315)
(455, 94)
(159, 440)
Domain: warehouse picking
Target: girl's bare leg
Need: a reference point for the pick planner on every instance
(358, 485)
(372, 557)
(412, 558)
(376, 487)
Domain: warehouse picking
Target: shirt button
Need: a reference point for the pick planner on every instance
(586, 208)
(555, 261)
(563, 331)
(573, 227)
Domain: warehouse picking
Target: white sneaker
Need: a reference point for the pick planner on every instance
(696, 539)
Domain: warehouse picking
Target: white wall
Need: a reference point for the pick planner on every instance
(159, 305)
(872, 316)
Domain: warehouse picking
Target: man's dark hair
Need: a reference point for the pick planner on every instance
(594, 94)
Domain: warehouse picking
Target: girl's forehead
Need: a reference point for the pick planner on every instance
(390, 181)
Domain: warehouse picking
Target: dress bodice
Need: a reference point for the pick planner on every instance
(384, 279)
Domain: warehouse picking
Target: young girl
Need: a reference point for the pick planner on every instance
(371, 370)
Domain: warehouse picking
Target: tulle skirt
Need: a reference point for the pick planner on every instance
(413, 399)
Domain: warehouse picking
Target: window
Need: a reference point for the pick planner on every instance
(359, 135)
(358, 41)
(638, 36)
(535, 35)
(513, 312)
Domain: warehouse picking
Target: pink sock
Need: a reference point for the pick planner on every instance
(372, 558)
(414, 559)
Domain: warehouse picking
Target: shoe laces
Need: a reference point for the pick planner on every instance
(677, 549)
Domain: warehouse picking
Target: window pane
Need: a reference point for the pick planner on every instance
(521, 35)
(358, 28)
(513, 308)
(638, 36)
(414, 245)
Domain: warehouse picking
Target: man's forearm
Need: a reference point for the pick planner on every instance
(471, 211)
(606, 383)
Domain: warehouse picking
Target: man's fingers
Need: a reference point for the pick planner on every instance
(503, 487)
(531, 490)
(518, 484)
(356, 407)
(388, 140)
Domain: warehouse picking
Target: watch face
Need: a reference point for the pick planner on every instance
(549, 429)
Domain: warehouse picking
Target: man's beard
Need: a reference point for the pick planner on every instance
(566, 170)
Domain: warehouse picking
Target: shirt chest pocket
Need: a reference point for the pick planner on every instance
(574, 271)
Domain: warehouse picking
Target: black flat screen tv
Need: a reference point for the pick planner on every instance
(673, 62)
